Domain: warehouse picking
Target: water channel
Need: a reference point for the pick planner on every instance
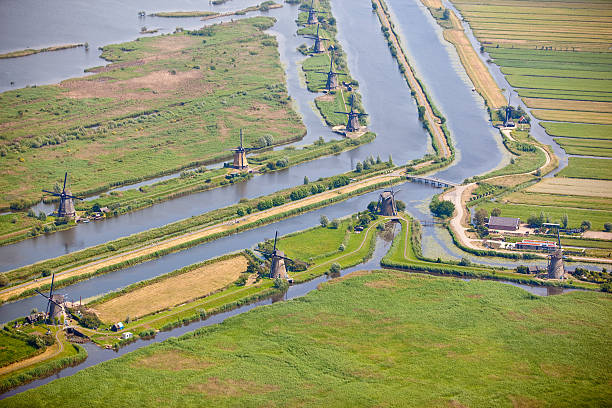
(392, 116)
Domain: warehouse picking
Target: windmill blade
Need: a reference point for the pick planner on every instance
(52, 193)
(65, 178)
(275, 239)
(263, 252)
(52, 283)
(361, 114)
(71, 196)
(47, 297)
(344, 113)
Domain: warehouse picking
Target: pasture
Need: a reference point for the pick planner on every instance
(372, 338)
(568, 186)
(582, 167)
(170, 101)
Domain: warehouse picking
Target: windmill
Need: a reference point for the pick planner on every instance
(240, 159)
(332, 77)
(66, 206)
(352, 125)
(508, 122)
(277, 261)
(54, 303)
(386, 203)
(555, 260)
(318, 45)
(312, 14)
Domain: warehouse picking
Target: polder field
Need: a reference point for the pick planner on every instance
(172, 101)
(374, 338)
(556, 55)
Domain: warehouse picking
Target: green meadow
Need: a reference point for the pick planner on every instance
(582, 167)
(374, 338)
(171, 101)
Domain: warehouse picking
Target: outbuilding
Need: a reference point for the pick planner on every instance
(504, 223)
(117, 326)
(126, 335)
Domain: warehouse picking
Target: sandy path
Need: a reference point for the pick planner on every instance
(419, 94)
(201, 233)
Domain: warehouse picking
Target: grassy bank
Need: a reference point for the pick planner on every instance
(373, 338)
(31, 51)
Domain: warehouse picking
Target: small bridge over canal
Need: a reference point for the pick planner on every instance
(436, 182)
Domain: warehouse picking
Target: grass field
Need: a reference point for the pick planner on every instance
(581, 167)
(586, 147)
(522, 161)
(171, 101)
(173, 291)
(581, 130)
(604, 118)
(379, 338)
(311, 243)
(13, 348)
(566, 201)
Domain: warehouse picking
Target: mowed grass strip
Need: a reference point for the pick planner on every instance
(172, 291)
(380, 338)
(573, 116)
(586, 147)
(556, 199)
(569, 186)
(578, 130)
(568, 105)
(555, 72)
(521, 81)
(582, 167)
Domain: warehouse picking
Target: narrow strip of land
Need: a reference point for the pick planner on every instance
(31, 51)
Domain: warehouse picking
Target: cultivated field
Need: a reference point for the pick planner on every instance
(557, 56)
(370, 339)
(567, 186)
(173, 290)
(170, 101)
(581, 167)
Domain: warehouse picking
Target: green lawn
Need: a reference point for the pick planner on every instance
(13, 348)
(380, 338)
(572, 201)
(586, 147)
(581, 167)
(314, 242)
(578, 130)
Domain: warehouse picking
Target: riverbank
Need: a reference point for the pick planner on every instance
(31, 51)
(140, 247)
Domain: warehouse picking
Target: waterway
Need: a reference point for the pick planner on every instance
(97, 355)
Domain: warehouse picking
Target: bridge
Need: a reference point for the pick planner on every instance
(430, 222)
(436, 182)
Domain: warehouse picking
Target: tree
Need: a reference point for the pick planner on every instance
(390, 161)
(586, 225)
(400, 205)
(442, 209)
(372, 206)
(31, 213)
(334, 224)
(42, 216)
(359, 167)
(335, 268)
(324, 221)
(269, 140)
(480, 216)
(306, 181)
(3, 279)
(522, 269)
(465, 262)
(496, 212)
(608, 226)
(564, 221)
(445, 15)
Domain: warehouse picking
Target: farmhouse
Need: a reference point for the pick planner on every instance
(537, 245)
(504, 223)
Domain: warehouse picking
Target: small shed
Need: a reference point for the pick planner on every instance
(117, 326)
(126, 335)
(504, 223)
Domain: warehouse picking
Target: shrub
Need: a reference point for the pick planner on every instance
(586, 225)
(3, 279)
(335, 268)
(334, 224)
(324, 221)
(465, 262)
(441, 209)
(608, 226)
(522, 269)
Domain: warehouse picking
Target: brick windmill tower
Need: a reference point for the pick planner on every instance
(352, 124)
(332, 76)
(386, 203)
(318, 45)
(277, 261)
(312, 14)
(240, 158)
(66, 205)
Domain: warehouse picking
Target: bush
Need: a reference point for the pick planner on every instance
(608, 226)
(334, 224)
(522, 269)
(241, 281)
(335, 268)
(586, 225)
(465, 262)
(4, 281)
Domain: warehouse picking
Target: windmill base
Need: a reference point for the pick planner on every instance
(351, 135)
